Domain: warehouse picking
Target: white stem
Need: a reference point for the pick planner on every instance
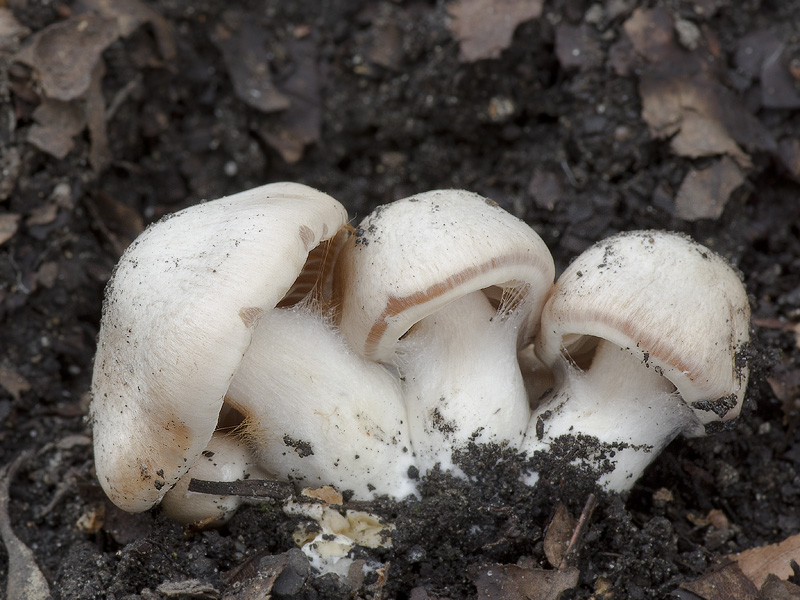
(462, 381)
(318, 414)
(629, 410)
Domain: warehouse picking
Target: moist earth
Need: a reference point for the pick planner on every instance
(592, 118)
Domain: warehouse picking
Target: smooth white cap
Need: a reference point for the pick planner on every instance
(414, 256)
(666, 299)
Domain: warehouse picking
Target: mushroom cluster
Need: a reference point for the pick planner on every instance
(260, 335)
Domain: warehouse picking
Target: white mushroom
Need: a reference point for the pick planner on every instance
(462, 282)
(318, 414)
(178, 317)
(646, 333)
(225, 458)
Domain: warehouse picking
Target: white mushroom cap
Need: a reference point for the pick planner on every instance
(646, 333)
(178, 317)
(671, 302)
(462, 282)
(225, 458)
(414, 256)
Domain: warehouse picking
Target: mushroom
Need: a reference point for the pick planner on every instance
(183, 305)
(645, 332)
(225, 458)
(446, 286)
(318, 414)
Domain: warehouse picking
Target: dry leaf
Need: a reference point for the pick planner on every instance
(299, 125)
(512, 582)
(9, 223)
(651, 33)
(14, 383)
(705, 192)
(132, 14)
(727, 583)
(484, 28)
(65, 54)
(758, 563)
(690, 111)
(558, 535)
(25, 579)
(56, 124)
(244, 50)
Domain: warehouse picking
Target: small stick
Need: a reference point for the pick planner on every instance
(577, 534)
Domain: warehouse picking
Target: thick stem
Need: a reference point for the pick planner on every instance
(616, 416)
(318, 414)
(462, 381)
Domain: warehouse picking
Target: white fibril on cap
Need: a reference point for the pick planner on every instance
(447, 287)
(646, 333)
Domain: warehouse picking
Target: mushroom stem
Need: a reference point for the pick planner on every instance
(462, 381)
(621, 411)
(316, 413)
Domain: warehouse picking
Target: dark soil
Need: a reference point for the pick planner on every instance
(555, 136)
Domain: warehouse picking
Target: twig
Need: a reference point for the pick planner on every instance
(577, 533)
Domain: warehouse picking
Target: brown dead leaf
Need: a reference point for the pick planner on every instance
(484, 28)
(25, 579)
(512, 582)
(299, 125)
(758, 563)
(9, 223)
(244, 50)
(11, 30)
(56, 124)
(727, 583)
(65, 53)
(14, 383)
(776, 589)
(557, 535)
(132, 14)
(652, 34)
(705, 192)
(689, 111)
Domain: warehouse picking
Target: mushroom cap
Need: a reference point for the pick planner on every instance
(177, 319)
(665, 298)
(414, 256)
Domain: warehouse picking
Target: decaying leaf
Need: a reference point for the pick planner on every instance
(727, 583)
(525, 582)
(558, 535)
(245, 52)
(56, 124)
(690, 110)
(25, 579)
(484, 28)
(300, 124)
(65, 53)
(9, 223)
(129, 15)
(11, 30)
(705, 192)
(775, 559)
(14, 383)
